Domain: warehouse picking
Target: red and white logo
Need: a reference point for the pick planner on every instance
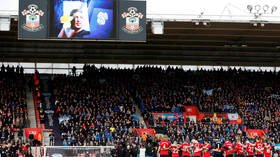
(33, 15)
(132, 18)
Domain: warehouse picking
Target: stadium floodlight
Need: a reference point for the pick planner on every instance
(273, 9)
(250, 8)
(258, 10)
(265, 8)
(157, 27)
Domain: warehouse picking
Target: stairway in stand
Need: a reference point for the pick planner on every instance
(31, 110)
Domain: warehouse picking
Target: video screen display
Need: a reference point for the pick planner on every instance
(118, 20)
(83, 19)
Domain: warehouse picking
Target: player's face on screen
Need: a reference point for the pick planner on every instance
(78, 20)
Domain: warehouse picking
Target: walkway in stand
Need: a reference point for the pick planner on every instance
(30, 109)
(141, 119)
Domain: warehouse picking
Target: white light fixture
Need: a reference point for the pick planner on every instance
(157, 27)
(258, 23)
(5, 23)
(204, 22)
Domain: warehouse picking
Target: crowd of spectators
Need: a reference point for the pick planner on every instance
(232, 91)
(13, 112)
(159, 90)
(96, 107)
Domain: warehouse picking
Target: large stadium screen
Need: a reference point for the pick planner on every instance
(122, 20)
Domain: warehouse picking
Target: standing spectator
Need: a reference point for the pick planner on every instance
(74, 71)
(51, 136)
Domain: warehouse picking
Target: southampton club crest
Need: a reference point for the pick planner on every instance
(32, 18)
(132, 19)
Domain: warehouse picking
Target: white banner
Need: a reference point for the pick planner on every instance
(232, 116)
(208, 92)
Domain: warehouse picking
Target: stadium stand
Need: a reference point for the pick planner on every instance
(13, 112)
(138, 108)
(96, 107)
